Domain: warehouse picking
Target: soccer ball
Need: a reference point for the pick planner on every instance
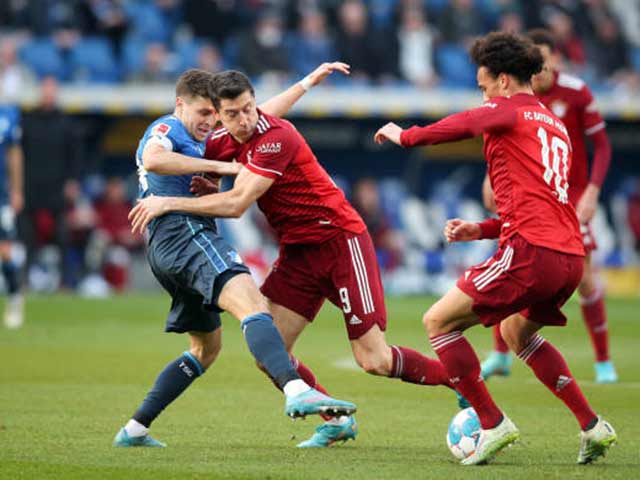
(463, 433)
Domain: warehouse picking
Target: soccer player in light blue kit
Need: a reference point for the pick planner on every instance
(203, 274)
(11, 203)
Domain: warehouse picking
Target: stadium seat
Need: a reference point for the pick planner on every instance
(133, 52)
(454, 66)
(92, 60)
(44, 58)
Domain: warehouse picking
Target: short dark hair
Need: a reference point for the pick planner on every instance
(229, 85)
(195, 83)
(542, 36)
(502, 52)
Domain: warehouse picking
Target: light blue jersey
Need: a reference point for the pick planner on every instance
(169, 132)
(10, 134)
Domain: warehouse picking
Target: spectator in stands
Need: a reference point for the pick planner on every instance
(14, 76)
(611, 52)
(105, 17)
(371, 54)
(567, 40)
(312, 44)
(52, 155)
(263, 51)
(511, 21)
(214, 20)
(159, 66)
(114, 228)
(460, 22)
(78, 224)
(209, 58)
(389, 242)
(415, 48)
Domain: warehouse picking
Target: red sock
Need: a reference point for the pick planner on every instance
(463, 369)
(414, 367)
(307, 375)
(549, 366)
(499, 345)
(595, 318)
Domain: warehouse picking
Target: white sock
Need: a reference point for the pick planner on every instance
(295, 387)
(135, 428)
(338, 420)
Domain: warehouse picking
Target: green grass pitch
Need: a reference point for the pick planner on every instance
(75, 373)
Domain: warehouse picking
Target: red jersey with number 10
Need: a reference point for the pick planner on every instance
(303, 205)
(570, 99)
(528, 153)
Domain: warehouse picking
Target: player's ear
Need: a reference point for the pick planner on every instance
(179, 102)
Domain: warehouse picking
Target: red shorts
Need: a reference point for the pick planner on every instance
(343, 269)
(588, 239)
(524, 278)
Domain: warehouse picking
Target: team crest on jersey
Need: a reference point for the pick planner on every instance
(161, 129)
(559, 108)
(269, 147)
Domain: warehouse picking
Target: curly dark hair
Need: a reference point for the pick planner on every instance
(195, 83)
(502, 52)
(542, 36)
(230, 84)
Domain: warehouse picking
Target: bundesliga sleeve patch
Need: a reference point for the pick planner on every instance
(161, 129)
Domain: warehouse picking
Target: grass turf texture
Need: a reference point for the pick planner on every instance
(78, 369)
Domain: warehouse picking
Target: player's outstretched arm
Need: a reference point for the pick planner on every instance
(279, 105)
(157, 159)
(247, 188)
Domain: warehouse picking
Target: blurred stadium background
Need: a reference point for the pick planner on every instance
(89, 75)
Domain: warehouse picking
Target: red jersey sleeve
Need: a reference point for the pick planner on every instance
(490, 228)
(221, 146)
(491, 117)
(594, 128)
(273, 153)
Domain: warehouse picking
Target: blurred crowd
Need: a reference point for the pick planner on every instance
(420, 42)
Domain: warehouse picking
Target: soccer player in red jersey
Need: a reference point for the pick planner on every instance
(325, 249)
(570, 100)
(540, 256)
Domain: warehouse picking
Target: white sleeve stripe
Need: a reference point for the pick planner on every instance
(163, 141)
(265, 169)
(595, 128)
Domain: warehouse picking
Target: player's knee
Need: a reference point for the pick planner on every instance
(514, 337)
(432, 322)
(587, 286)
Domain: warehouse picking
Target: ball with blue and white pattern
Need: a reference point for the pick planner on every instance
(463, 433)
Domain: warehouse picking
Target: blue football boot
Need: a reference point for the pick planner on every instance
(497, 363)
(605, 372)
(313, 402)
(124, 440)
(327, 434)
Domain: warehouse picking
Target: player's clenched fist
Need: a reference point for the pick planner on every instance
(390, 132)
(457, 230)
(146, 210)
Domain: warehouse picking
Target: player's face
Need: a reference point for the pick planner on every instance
(239, 115)
(541, 82)
(197, 115)
(489, 85)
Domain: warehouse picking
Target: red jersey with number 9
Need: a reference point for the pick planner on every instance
(528, 152)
